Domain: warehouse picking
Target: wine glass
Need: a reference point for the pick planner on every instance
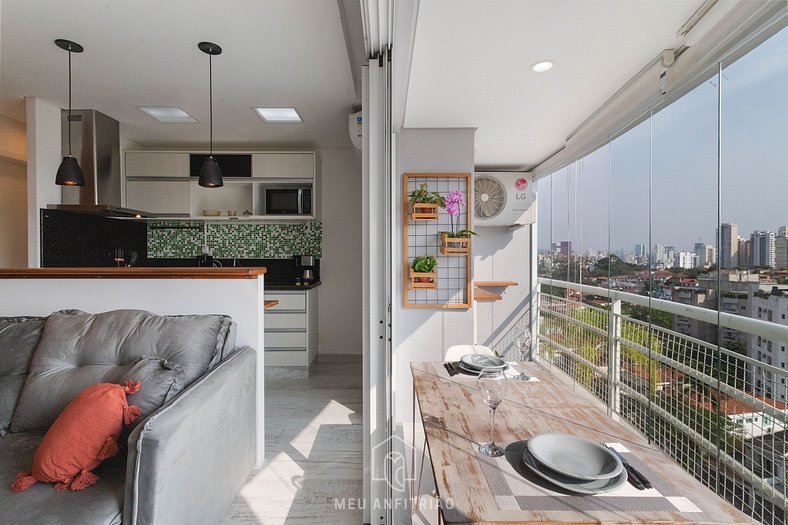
(523, 344)
(492, 387)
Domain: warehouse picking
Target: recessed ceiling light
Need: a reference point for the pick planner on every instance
(163, 114)
(286, 115)
(541, 67)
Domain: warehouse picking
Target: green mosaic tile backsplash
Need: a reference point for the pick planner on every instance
(173, 239)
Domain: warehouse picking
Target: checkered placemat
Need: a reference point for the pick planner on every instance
(515, 487)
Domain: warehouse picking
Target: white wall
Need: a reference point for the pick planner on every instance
(424, 334)
(340, 267)
(43, 159)
(13, 197)
(13, 214)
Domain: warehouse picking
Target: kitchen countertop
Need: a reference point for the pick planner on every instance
(289, 286)
(131, 273)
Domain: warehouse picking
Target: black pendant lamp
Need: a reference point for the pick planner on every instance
(210, 174)
(69, 173)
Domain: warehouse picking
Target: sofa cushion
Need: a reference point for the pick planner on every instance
(161, 380)
(18, 339)
(78, 349)
(102, 504)
(81, 438)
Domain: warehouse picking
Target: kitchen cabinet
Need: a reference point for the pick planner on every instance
(158, 182)
(283, 165)
(156, 164)
(158, 197)
(291, 337)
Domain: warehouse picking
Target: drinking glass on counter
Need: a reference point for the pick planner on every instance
(523, 344)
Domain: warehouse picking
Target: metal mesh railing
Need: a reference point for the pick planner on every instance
(699, 403)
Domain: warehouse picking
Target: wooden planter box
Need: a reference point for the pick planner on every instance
(424, 212)
(417, 278)
(455, 245)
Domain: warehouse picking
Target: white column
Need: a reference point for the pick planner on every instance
(44, 153)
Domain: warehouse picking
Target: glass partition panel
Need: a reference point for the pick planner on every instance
(594, 216)
(543, 225)
(754, 193)
(560, 244)
(629, 210)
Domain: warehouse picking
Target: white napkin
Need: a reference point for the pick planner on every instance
(512, 371)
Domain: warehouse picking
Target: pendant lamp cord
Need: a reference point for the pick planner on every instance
(210, 99)
(69, 100)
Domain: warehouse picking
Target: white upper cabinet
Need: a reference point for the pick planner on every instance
(283, 165)
(158, 196)
(156, 164)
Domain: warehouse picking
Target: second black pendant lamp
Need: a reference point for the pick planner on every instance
(210, 174)
(69, 173)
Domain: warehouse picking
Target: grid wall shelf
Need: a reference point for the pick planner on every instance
(450, 285)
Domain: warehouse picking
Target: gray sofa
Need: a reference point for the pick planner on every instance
(187, 456)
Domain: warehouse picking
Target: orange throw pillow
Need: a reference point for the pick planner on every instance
(83, 435)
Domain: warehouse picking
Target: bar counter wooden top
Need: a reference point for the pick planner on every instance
(131, 273)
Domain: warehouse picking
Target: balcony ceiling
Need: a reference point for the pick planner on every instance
(144, 53)
(471, 59)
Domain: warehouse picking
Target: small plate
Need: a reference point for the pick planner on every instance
(597, 486)
(479, 361)
(468, 370)
(575, 457)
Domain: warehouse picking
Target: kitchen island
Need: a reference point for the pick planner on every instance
(236, 292)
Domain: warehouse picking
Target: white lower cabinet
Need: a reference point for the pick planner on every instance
(291, 328)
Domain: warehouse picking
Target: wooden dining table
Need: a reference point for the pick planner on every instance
(472, 488)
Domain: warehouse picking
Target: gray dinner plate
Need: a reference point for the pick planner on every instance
(575, 457)
(479, 361)
(597, 486)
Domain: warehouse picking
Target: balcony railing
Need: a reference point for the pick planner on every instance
(692, 399)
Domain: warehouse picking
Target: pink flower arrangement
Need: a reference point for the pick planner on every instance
(454, 201)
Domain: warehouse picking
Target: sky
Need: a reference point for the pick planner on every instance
(611, 185)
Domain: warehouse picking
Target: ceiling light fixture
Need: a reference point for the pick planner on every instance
(279, 115)
(69, 173)
(542, 66)
(210, 173)
(167, 114)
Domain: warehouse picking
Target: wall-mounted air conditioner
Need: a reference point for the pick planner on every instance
(355, 123)
(503, 199)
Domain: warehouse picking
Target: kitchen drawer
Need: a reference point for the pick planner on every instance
(288, 321)
(285, 340)
(287, 301)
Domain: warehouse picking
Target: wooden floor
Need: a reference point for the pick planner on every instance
(313, 441)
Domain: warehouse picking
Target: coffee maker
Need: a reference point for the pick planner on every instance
(306, 268)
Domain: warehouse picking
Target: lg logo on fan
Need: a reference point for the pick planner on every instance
(521, 185)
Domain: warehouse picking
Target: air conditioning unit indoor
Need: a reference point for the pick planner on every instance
(355, 124)
(503, 199)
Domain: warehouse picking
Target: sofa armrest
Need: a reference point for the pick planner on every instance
(188, 460)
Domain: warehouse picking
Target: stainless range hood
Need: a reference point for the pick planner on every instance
(95, 142)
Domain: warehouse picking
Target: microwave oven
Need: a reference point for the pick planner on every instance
(288, 201)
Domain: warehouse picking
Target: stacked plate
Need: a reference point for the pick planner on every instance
(475, 363)
(574, 463)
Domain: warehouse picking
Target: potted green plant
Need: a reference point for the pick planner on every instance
(425, 203)
(455, 242)
(422, 272)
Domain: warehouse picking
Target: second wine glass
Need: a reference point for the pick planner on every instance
(523, 344)
(492, 387)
